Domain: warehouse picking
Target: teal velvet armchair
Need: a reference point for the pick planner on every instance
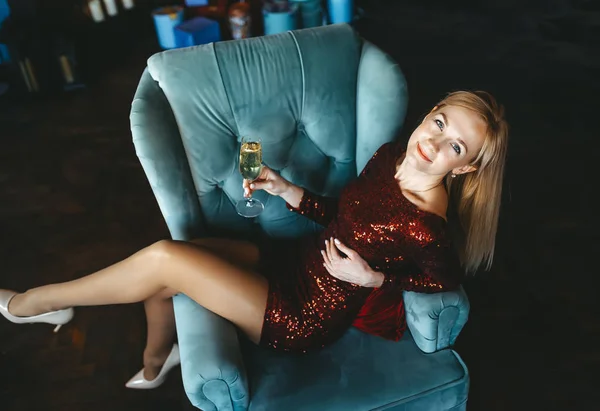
(322, 100)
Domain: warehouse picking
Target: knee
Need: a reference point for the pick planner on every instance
(164, 249)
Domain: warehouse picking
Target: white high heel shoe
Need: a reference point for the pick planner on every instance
(139, 382)
(58, 318)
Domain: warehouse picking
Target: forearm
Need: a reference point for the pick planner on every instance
(293, 195)
(318, 208)
(417, 282)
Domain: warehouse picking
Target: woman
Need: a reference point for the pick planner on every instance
(389, 231)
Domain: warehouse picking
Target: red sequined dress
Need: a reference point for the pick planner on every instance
(307, 308)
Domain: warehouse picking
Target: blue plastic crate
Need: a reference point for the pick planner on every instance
(198, 30)
(194, 3)
(165, 20)
(4, 13)
(4, 56)
(4, 10)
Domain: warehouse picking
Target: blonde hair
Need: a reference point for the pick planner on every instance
(475, 197)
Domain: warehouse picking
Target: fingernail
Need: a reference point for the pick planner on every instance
(336, 241)
(325, 242)
(251, 185)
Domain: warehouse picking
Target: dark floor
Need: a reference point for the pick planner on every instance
(74, 199)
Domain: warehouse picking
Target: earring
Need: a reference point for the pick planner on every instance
(453, 175)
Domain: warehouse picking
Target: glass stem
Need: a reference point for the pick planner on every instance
(249, 198)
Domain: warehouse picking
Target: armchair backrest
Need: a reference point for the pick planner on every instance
(322, 100)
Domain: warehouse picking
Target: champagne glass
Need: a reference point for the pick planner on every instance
(250, 168)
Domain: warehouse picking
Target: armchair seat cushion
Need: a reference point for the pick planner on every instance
(359, 372)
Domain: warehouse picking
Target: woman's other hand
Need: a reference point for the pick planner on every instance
(352, 268)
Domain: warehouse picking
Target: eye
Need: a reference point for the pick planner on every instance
(440, 124)
(456, 148)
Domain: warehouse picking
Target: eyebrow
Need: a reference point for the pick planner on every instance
(460, 140)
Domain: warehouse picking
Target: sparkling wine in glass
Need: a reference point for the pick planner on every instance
(250, 168)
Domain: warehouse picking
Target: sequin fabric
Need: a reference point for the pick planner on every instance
(307, 308)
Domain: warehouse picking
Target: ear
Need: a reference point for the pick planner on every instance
(464, 169)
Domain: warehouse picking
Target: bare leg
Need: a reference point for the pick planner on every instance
(160, 335)
(235, 293)
(160, 316)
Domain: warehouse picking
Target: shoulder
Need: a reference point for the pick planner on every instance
(435, 203)
(384, 148)
(395, 146)
(380, 158)
(391, 150)
(429, 229)
(425, 227)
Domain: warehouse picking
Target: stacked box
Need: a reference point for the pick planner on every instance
(198, 30)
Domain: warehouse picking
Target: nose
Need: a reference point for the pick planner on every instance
(432, 145)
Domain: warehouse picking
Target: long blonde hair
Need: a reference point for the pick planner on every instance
(475, 197)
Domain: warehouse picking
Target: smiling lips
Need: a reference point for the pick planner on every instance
(422, 153)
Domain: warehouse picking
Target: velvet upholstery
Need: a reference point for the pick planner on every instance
(353, 374)
(322, 100)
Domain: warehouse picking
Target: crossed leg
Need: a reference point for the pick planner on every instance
(216, 273)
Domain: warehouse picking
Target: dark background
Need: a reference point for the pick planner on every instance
(73, 198)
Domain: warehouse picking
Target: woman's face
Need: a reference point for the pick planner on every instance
(448, 140)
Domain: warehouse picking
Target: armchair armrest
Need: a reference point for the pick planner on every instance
(214, 377)
(435, 320)
(213, 373)
(160, 150)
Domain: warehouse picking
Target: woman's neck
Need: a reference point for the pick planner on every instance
(413, 180)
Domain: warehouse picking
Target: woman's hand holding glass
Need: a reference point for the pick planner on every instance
(268, 180)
